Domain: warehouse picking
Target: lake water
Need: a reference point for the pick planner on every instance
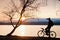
(27, 30)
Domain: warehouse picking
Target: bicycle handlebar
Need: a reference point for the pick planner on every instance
(42, 28)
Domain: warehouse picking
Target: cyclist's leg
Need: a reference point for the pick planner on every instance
(46, 30)
(49, 31)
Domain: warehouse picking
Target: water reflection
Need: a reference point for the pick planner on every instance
(27, 30)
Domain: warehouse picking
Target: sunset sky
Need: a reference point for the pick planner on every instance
(45, 10)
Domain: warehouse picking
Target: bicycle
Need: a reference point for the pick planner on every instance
(42, 33)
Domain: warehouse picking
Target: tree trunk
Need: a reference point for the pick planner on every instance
(12, 32)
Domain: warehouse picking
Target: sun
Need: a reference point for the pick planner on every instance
(23, 18)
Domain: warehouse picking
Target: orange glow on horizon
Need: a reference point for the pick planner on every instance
(23, 18)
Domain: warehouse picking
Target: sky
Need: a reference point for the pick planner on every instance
(51, 9)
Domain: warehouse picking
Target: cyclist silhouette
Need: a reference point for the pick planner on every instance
(50, 24)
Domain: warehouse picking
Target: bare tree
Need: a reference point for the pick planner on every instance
(26, 4)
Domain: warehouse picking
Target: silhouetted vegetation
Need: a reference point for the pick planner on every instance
(26, 38)
(25, 4)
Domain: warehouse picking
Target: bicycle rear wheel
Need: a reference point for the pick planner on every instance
(52, 34)
(40, 33)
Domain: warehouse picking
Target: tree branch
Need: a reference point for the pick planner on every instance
(10, 18)
(13, 4)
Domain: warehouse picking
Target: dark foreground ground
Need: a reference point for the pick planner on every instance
(26, 38)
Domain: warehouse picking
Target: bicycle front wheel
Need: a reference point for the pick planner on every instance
(40, 33)
(52, 34)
